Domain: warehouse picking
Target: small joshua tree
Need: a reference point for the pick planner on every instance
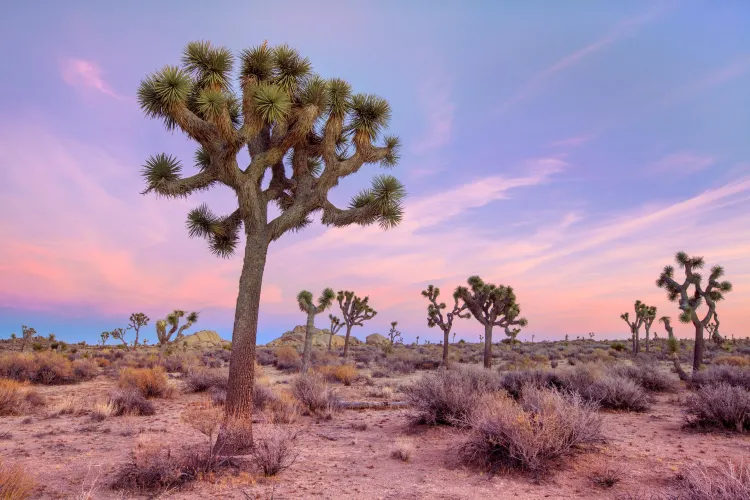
(336, 325)
(173, 321)
(591, 335)
(137, 321)
(119, 334)
(435, 315)
(491, 305)
(104, 336)
(690, 301)
(27, 333)
(649, 315)
(51, 337)
(635, 325)
(417, 339)
(355, 312)
(306, 305)
(303, 134)
(667, 321)
(713, 334)
(393, 334)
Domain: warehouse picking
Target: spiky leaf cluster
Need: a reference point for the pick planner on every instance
(336, 324)
(355, 310)
(435, 310)
(490, 304)
(308, 306)
(172, 321)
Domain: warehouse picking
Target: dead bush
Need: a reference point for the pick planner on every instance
(726, 481)
(274, 448)
(42, 368)
(151, 382)
(732, 375)
(17, 397)
(720, 405)
(314, 394)
(402, 449)
(15, 483)
(202, 380)
(345, 374)
(130, 402)
(514, 381)
(543, 426)
(84, 369)
(151, 467)
(610, 391)
(648, 376)
(448, 396)
(741, 361)
(287, 358)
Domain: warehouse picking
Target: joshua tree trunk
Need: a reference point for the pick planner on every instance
(488, 346)
(446, 334)
(308, 341)
(330, 342)
(698, 351)
(346, 340)
(647, 333)
(235, 436)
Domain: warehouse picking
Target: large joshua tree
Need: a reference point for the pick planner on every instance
(491, 305)
(355, 311)
(307, 306)
(635, 325)
(689, 301)
(435, 315)
(302, 133)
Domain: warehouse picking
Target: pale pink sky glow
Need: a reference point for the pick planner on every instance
(81, 73)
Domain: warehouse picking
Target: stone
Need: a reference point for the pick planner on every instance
(296, 338)
(203, 338)
(377, 339)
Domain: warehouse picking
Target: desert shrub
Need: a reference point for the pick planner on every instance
(648, 376)
(264, 357)
(544, 425)
(84, 369)
(345, 374)
(130, 402)
(37, 346)
(69, 405)
(743, 361)
(618, 346)
(380, 392)
(283, 410)
(17, 366)
(151, 382)
(17, 397)
(102, 410)
(178, 362)
(203, 380)
(262, 396)
(314, 394)
(400, 366)
(402, 449)
(52, 368)
(514, 381)
(274, 448)
(287, 358)
(727, 480)
(732, 375)
(616, 393)
(15, 483)
(720, 405)
(151, 467)
(448, 396)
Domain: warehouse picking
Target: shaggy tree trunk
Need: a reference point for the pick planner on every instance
(446, 334)
(308, 342)
(346, 340)
(330, 341)
(488, 346)
(698, 351)
(235, 436)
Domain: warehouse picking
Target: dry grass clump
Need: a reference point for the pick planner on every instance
(381, 391)
(448, 396)
(732, 375)
(130, 402)
(720, 405)
(287, 358)
(609, 391)
(150, 382)
(402, 449)
(102, 410)
(69, 405)
(543, 426)
(726, 481)
(315, 395)
(741, 361)
(284, 409)
(15, 484)
(274, 448)
(17, 397)
(345, 374)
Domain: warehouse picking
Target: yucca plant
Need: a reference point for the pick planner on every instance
(336, 326)
(303, 134)
(435, 315)
(689, 301)
(307, 306)
(492, 305)
(173, 322)
(355, 311)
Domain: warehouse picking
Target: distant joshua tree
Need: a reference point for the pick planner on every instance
(104, 336)
(417, 339)
(691, 300)
(713, 334)
(27, 333)
(492, 306)
(635, 325)
(435, 315)
(355, 312)
(306, 305)
(137, 321)
(393, 334)
(173, 321)
(119, 334)
(649, 315)
(336, 325)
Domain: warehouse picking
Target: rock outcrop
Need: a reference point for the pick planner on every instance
(377, 339)
(320, 338)
(203, 338)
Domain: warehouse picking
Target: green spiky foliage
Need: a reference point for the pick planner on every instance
(303, 134)
(492, 305)
(137, 321)
(394, 335)
(311, 309)
(635, 326)
(355, 311)
(435, 315)
(27, 334)
(694, 293)
(336, 326)
(119, 334)
(167, 327)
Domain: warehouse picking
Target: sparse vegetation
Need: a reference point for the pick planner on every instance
(150, 382)
(728, 480)
(720, 405)
(15, 483)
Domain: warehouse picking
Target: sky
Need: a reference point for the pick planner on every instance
(567, 149)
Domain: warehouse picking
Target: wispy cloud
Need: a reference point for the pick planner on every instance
(726, 73)
(685, 162)
(86, 74)
(620, 30)
(435, 99)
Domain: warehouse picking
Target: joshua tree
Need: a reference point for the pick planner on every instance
(355, 312)
(635, 325)
(173, 321)
(435, 315)
(51, 337)
(454, 337)
(417, 339)
(712, 333)
(306, 305)
(492, 306)
(137, 321)
(667, 326)
(512, 334)
(27, 333)
(394, 334)
(104, 337)
(303, 134)
(689, 301)
(119, 334)
(336, 325)
(591, 335)
(649, 315)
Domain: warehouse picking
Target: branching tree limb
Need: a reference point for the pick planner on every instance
(355, 312)
(435, 315)
(306, 305)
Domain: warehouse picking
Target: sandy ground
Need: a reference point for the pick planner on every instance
(70, 455)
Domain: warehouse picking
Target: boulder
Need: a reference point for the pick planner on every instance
(377, 339)
(203, 338)
(296, 338)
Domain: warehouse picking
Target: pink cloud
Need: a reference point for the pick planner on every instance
(85, 74)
